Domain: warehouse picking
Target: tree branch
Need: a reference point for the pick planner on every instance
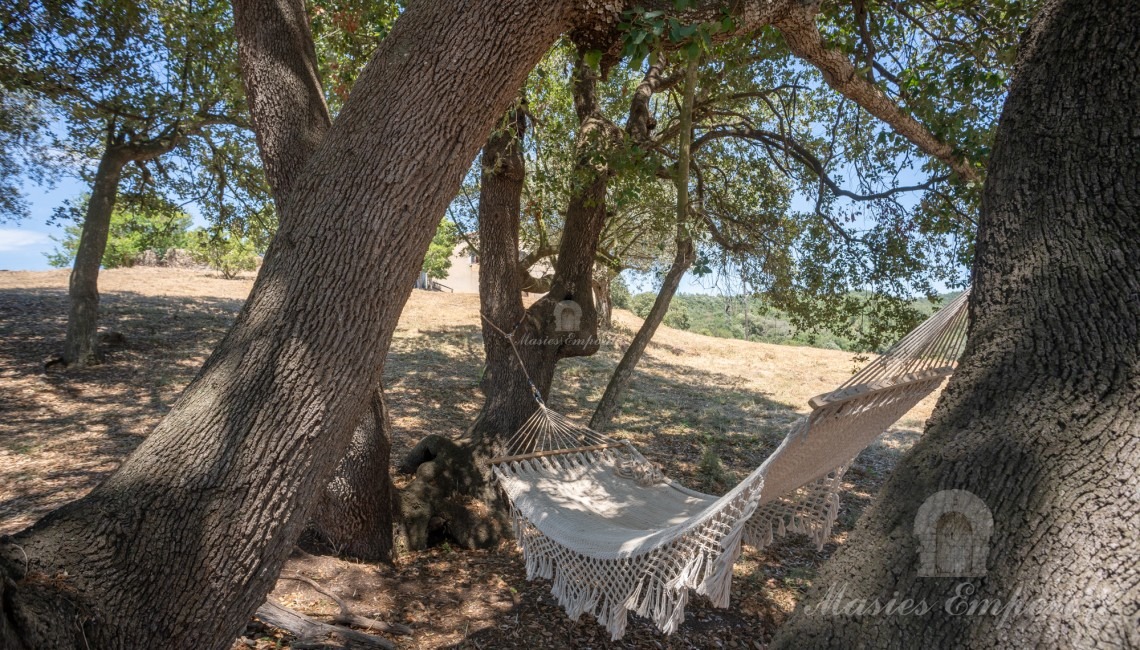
(805, 156)
(347, 616)
(803, 37)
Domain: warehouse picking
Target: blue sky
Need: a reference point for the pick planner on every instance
(23, 243)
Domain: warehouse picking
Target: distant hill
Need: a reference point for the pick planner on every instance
(735, 317)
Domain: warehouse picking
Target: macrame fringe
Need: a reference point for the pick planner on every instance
(655, 584)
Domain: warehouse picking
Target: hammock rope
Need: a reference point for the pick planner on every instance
(615, 535)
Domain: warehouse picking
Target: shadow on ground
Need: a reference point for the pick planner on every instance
(61, 432)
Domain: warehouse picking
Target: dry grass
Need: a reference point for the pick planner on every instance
(709, 409)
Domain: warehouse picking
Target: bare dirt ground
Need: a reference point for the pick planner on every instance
(709, 410)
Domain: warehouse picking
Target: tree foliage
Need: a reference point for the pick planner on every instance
(804, 199)
(156, 79)
(438, 258)
(228, 252)
(159, 229)
(345, 34)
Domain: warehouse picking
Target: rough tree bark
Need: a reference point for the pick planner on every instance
(682, 259)
(452, 486)
(81, 347)
(179, 547)
(355, 513)
(290, 119)
(1042, 419)
(282, 87)
(603, 298)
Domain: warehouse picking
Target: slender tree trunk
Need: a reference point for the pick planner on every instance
(682, 259)
(181, 544)
(610, 403)
(1042, 420)
(290, 119)
(81, 347)
(603, 300)
(453, 486)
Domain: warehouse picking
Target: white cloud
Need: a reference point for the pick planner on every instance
(12, 239)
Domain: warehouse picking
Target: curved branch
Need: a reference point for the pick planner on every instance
(805, 156)
(803, 37)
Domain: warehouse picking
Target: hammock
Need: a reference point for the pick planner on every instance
(617, 536)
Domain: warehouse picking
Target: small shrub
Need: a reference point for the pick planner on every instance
(437, 261)
(711, 468)
(228, 253)
(642, 303)
(619, 293)
(678, 318)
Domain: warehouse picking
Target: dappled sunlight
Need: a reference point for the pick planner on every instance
(708, 411)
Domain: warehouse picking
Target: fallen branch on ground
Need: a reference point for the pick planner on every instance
(312, 634)
(347, 616)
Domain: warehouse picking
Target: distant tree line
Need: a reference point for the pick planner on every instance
(751, 318)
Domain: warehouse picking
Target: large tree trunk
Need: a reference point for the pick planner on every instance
(450, 479)
(179, 547)
(290, 119)
(1042, 420)
(682, 259)
(453, 487)
(354, 513)
(81, 347)
(282, 87)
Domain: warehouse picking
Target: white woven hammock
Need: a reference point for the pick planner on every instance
(616, 536)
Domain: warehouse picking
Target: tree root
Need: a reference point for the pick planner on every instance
(452, 493)
(313, 634)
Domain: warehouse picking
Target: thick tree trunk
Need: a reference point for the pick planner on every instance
(453, 485)
(1042, 420)
(290, 119)
(81, 347)
(354, 513)
(180, 546)
(682, 259)
(282, 87)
